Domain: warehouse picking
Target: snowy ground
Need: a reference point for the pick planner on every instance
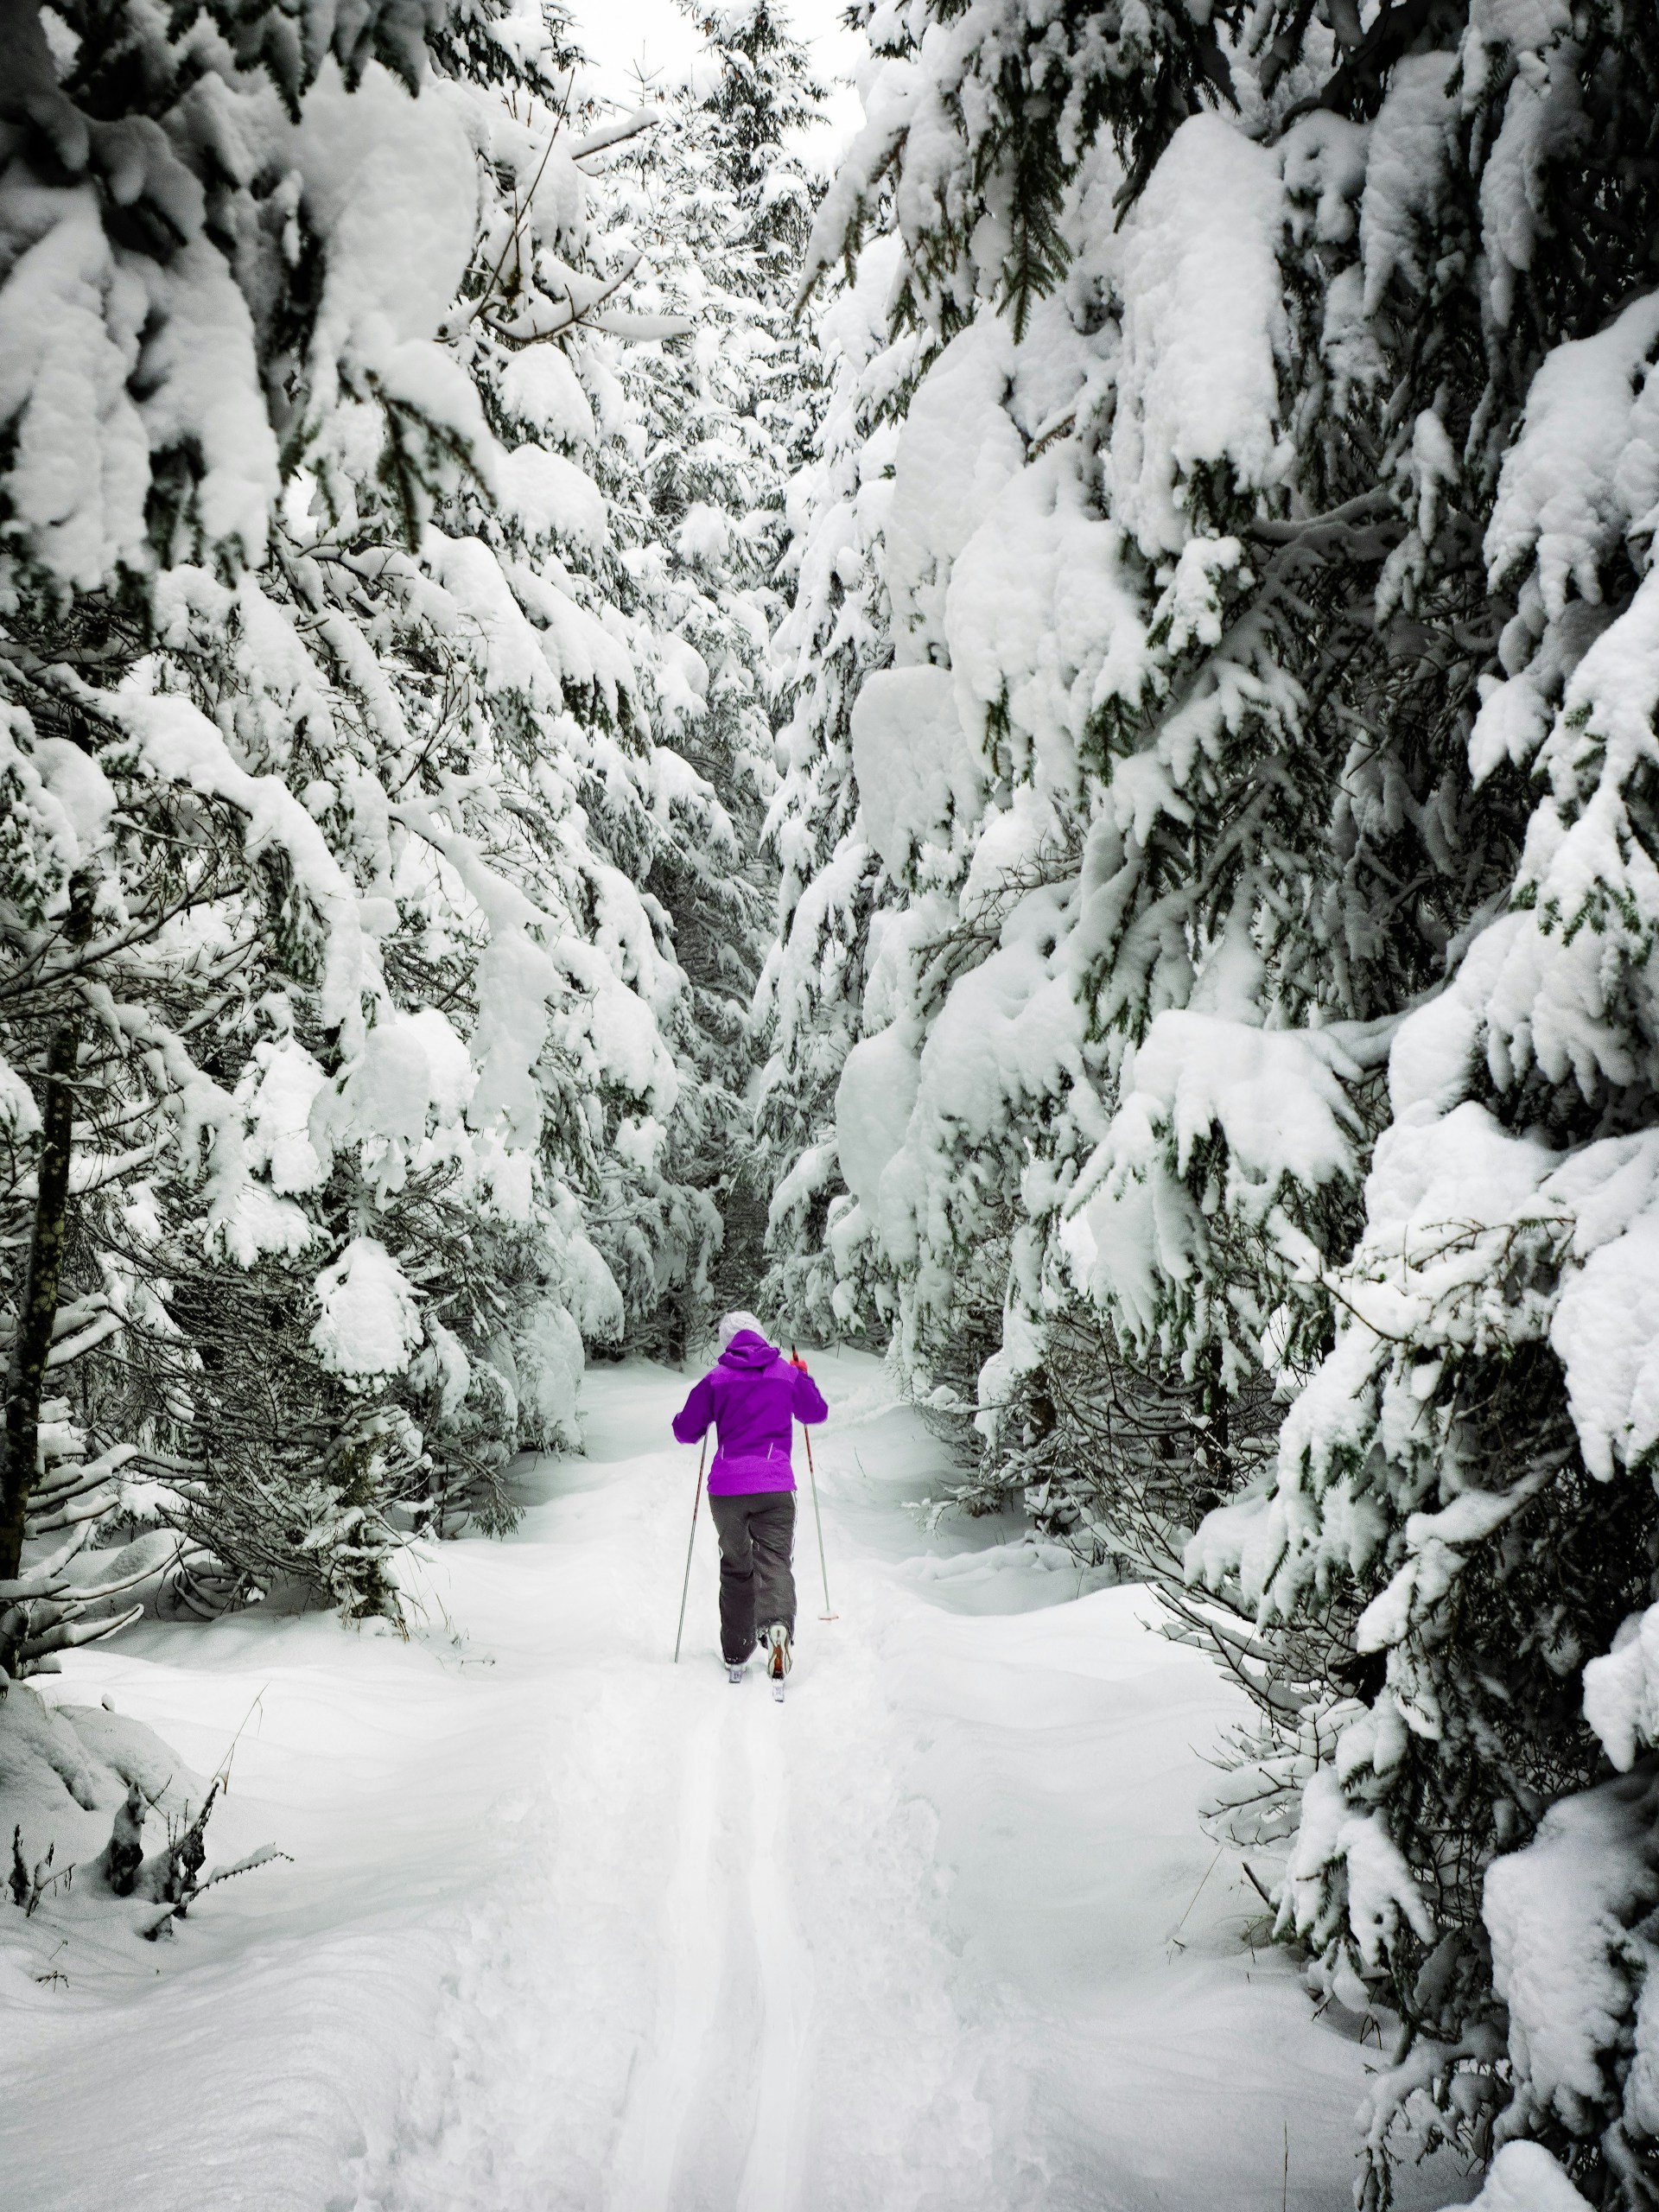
(568, 1927)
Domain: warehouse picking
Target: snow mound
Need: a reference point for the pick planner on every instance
(370, 1322)
(1561, 1915)
(872, 1106)
(1200, 257)
(1525, 2178)
(957, 449)
(58, 1760)
(919, 785)
(1621, 1690)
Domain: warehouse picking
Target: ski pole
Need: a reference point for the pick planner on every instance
(697, 1501)
(826, 1615)
(806, 1438)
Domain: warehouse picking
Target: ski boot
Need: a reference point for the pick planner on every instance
(735, 1669)
(779, 1660)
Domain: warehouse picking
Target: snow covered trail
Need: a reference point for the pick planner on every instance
(570, 1927)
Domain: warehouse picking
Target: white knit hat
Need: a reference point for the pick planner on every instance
(733, 1324)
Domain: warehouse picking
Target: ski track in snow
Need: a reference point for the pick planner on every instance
(772, 2165)
(724, 1870)
(661, 2096)
(571, 1930)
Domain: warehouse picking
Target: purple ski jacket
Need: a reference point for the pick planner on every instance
(753, 1396)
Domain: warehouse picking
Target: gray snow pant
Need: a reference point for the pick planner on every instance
(757, 1533)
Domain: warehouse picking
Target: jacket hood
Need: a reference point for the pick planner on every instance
(747, 1351)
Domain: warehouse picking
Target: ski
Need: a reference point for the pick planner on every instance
(735, 1673)
(778, 1689)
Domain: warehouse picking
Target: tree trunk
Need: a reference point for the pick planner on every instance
(38, 1309)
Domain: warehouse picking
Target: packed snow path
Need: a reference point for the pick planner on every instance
(570, 1927)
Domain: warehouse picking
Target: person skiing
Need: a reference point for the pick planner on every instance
(753, 1396)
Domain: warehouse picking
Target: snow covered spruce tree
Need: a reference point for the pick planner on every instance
(1254, 799)
(333, 771)
(1474, 1461)
(151, 282)
(1128, 803)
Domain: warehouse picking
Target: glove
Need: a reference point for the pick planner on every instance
(795, 1360)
